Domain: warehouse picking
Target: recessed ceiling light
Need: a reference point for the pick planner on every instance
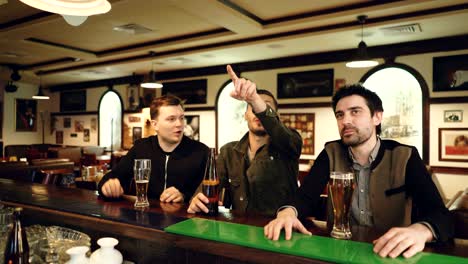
(11, 55)
(275, 46)
(133, 29)
(179, 60)
(208, 55)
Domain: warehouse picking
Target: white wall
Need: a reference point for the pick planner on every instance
(325, 125)
(207, 126)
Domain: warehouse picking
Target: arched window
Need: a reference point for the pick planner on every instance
(110, 121)
(401, 89)
(231, 125)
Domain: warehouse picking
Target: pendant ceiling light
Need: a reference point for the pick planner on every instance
(150, 80)
(40, 94)
(361, 59)
(75, 12)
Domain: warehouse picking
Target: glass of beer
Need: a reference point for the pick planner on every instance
(142, 172)
(340, 189)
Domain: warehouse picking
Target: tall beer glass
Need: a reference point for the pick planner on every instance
(142, 172)
(340, 188)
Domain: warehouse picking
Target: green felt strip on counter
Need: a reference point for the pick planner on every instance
(316, 247)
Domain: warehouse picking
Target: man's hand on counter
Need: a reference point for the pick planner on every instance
(112, 188)
(287, 220)
(171, 195)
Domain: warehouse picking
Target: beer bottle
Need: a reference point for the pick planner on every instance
(210, 184)
(17, 249)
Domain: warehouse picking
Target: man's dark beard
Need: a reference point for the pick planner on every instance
(259, 133)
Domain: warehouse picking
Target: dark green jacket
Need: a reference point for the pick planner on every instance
(270, 180)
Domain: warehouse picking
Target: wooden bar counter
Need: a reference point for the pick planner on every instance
(141, 233)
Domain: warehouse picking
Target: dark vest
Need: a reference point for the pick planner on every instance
(390, 205)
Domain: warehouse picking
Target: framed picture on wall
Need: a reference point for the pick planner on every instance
(66, 122)
(450, 73)
(136, 133)
(133, 97)
(305, 84)
(453, 144)
(192, 92)
(192, 127)
(71, 101)
(86, 135)
(79, 126)
(453, 116)
(58, 137)
(26, 115)
(304, 123)
(148, 96)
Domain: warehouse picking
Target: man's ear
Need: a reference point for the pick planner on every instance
(154, 124)
(377, 118)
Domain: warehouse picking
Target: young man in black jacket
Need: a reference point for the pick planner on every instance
(391, 177)
(177, 162)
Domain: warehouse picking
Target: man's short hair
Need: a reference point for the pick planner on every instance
(266, 92)
(165, 100)
(373, 101)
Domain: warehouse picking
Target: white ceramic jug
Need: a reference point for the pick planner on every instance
(78, 255)
(107, 254)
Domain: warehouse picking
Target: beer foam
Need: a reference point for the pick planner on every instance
(341, 175)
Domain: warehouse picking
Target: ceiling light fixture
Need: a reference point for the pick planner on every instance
(150, 80)
(40, 94)
(361, 59)
(74, 12)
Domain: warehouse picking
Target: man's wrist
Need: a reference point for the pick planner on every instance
(284, 207)
(428, 230)
(258, 105)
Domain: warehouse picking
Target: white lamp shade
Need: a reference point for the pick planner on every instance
(150, 81)
(40, 95)
(71, 7)
(361, 64)
(75, 20)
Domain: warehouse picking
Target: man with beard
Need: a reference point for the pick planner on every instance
(393, 191)
(177, 162)
(259, 172)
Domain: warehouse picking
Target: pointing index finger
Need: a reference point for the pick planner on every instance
(231, 73)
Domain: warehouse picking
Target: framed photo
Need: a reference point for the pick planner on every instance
(339, 83)
(134, 119)
(192, 92)
(148, 96)
(26, 115)
(66, 122)
(71, 101)
(453, 144)
(86, 135)
(192, 127)
(450, 73)
(58, 137)
(137, 133)
(304, 123)
(79, 126)
(453, 116)
(305, 84)
(133, 97)
(93, 124)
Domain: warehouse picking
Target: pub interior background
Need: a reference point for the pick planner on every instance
(417, 55)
